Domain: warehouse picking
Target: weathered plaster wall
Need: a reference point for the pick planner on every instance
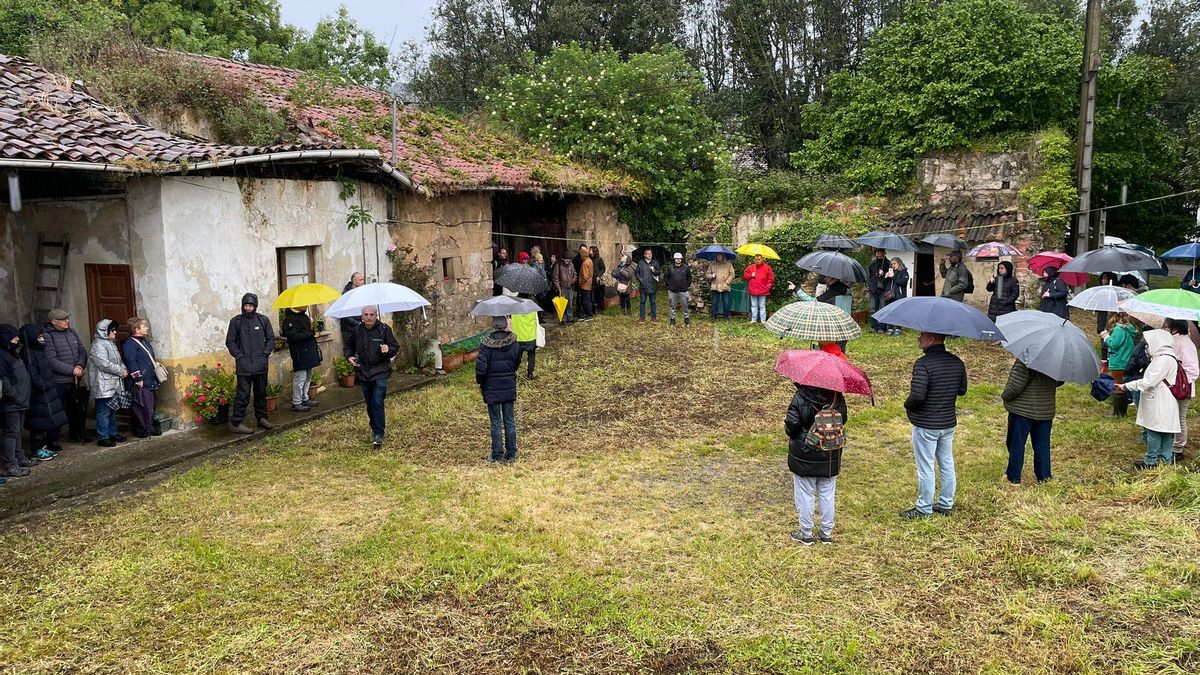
(594, 221)
(749, 223)
(458, 228)
(981, 172)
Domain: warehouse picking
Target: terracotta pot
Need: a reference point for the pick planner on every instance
(470, 356)
(452, 362)
(859, 317)
(346, 380)
(272, 404)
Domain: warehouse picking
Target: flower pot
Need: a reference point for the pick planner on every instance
(452, 362)
(222, 416)
(272, 404)
(470, 356)
(346, 380)
(859, 317)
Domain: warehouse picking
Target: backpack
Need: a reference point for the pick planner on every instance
(826, 433)
(970, 281)
(1181, 389)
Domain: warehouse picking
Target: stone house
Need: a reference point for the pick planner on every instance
(110, 217)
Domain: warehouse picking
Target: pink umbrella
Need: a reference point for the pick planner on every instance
(1046, 259)
(820, 369)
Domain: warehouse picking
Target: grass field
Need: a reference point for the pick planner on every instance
(645, 528)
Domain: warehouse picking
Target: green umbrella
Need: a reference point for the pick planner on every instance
(1174, 303)
(816, 321)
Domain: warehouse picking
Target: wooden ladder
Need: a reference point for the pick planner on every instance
(49, 277)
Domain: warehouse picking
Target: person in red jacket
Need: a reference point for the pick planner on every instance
(761, 278)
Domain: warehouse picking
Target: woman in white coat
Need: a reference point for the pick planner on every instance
(1158, 411)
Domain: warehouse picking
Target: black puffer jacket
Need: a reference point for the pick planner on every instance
(64, 350)
(938, 379)
(496, 367)
(250, 339)
(13, 373)
(46, 410)
(346, 325)
(373, 364)
(1056, 303)
(302, 341)
(802, 460)
(1004, 293)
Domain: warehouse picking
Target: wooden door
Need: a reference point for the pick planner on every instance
(110, 296)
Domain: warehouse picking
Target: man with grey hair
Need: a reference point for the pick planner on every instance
(371, 350)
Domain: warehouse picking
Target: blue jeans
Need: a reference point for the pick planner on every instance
(500, 413)
(1158, 447)
(876, 305)
(653, 304)
(720, 299)
(373, 394)
(758, 308)
(1021, 428)
(930, 445)
(106, 420)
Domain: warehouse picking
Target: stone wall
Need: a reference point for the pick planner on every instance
(594, 220)
(955, 174)
(749, 223)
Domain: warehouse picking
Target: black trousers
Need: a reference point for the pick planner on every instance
(586, 308)
(244, 383)
(77, 412)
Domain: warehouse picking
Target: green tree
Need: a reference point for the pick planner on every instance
(23, 21)
(641, 115)
(339, 46)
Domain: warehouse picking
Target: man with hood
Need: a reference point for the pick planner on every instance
(496, 374)
(371, 353)
(564, 278)
(305, 352)
(938, 379)
(45, 412)
(679, 280)
(14, 401)
(956, 277)
(586, 280)
(346, 325)
(1053, 294)
(250, 341)
(1004, 290)
(1158, 409)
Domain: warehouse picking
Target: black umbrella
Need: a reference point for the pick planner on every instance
(1108, 258)
(833, 241)
(1162, 270)
(660, 252)
(833, 264)
(945, 241)
(886, 240)
(521, 279)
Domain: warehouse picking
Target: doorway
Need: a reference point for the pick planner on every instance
(110, 296)
(925, 281)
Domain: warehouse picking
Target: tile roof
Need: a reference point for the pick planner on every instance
(961, 218)
(438, 152)
(44, 118)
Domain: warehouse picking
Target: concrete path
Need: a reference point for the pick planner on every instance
(80, 470)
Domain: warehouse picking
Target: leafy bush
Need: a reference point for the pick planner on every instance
(1051, 188)
(342, 367)
(211, 388)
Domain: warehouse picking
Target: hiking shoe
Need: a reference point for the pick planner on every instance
(240, 428)
(805, 540)
(119, 438)
(27, 462)
(44, 455)
(311, 402)
(913, 514)
(377, 441)
(643, 320)
(943, 511)
(106, 443)
(1142, 466)
(825, 538)
(16, 472)
(264, 424)
(687, 322)
(300, 408)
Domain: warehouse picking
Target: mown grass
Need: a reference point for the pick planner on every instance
(644, 529)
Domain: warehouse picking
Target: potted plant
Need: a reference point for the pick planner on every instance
(344, 371)
(209, 394)
(273, 391)
(453, 357)
(318, 323)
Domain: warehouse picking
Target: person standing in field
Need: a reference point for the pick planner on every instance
(938, 379)
(371, 353)
(1157, 407)
(648, 273)
(814, 471)
(720, 276)
(496, 375)
(679, 280)
(760, 278)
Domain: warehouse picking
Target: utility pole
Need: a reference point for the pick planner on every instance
(1087, 121)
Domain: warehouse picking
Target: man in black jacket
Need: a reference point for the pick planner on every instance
(250, 340)
(938, 379)
(346, 325)
(877, 284)
(679, 280)
(371, 353)
(305, 352)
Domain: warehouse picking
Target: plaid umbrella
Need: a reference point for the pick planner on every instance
(816, 321)
(994, 249)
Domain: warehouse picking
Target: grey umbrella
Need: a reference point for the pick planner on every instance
(939, 315)
(886, 240)
(502, 305)
(520, 278)
(833, 264)
(945, 241)
(833, 242)
(1046, 343)
(1108, 258)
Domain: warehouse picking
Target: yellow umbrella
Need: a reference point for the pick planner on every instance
(758, 249)
(305, 295)
(560, 303)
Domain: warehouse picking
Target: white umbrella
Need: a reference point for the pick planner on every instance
(1101, 298)
(386, 296)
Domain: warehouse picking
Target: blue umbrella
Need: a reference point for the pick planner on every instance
(710, 252)
(940, 315)
(1183, 252)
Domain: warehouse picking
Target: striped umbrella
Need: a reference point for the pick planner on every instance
(814, 321)
(994, 249)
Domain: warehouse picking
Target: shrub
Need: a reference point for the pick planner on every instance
(211, 388)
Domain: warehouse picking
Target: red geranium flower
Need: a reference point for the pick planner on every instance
(201, 399)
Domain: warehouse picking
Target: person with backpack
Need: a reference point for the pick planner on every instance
(816, 436)
(938, 379)
(1158, 410)
(1185, 353)
(958, 280)
(1029, 397)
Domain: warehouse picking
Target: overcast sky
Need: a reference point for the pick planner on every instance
(406, 19)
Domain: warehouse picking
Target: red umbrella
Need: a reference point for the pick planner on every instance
(1046, 259)
(820, 369)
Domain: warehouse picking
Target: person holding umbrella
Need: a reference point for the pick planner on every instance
(1119, 339)
(760, 278)
(305, 352)
(1158, 411)
(371, 353)
(525, 330)
(957, 278)
(564, 282)
(877, 285)
(1029, 397)
(648, 273)
(720, 276)
(938, 379)
(496, 375)
(1004, 289)
(897, 289)
(1053, 294)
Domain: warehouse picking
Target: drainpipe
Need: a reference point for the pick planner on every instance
(14, 192)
